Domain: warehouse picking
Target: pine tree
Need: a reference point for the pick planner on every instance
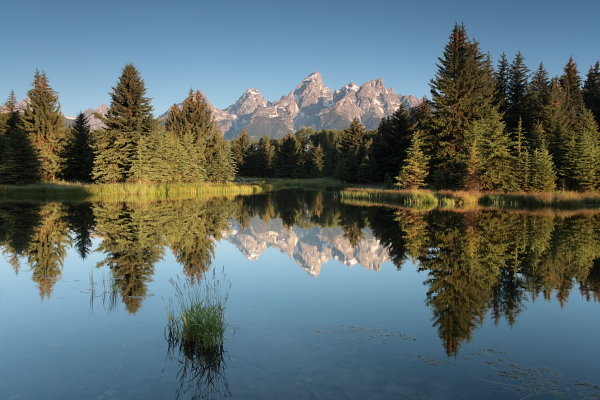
(494, 144)
(570, 81)
(521, 155)
(19, 164)
(538, 92)
(584, 157)
(317, 161)
(265, 157)
(207, 155)
(543, 173)
(502, 82)
(79, 151)
(591, 90)
(557, 125)
(415, 168)
(242, 151)
(288, 157)
(349, 149)
(463, 90)
(473, 170)
(391, 142)
(129, 118)
(43, 122)
(516, 91)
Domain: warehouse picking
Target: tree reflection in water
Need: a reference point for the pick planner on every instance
(478, 262)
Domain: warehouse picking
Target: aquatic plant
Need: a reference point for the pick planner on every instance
(195, 334)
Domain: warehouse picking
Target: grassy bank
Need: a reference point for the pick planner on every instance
(123, 191)
(462, 199)
(277, 184)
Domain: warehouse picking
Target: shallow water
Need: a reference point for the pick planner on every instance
(327, 300)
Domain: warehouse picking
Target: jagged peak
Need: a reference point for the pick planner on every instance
(377, 82)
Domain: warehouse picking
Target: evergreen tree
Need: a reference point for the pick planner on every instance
(557, 125)
(538, 92)
(543, 173)
(463, 90)
(570, 81)
(472, 178)
(391, 142)
(502, 82)
(129, 118)
(415, 169)
(43, 122)
(584, 157)
(79, 151)
(317, 161)
(521, 155)
(591, 90)
(243, 153)
(496, 160)
(349, 149)
(207, 155)
(288, 157)
(265, 157)
(19, 164)
(516, 91)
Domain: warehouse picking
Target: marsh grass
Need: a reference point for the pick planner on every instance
(195, 334)
(106, 290)
(66, 191)
(425, 199)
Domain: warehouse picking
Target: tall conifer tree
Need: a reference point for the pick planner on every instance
(591, 90)
(79, 152)
(415, 167)
(517, 91)
(19, 164)
(44, 123)
(463, 90)
(129, 118)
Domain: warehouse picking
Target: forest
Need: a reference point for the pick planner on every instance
(486, 127)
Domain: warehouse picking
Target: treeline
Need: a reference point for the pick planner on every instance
(486, 127)
(37, 146)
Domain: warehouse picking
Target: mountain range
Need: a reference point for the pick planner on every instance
(310, 105)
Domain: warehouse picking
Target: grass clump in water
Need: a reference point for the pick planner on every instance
(197, 323)
(195, 335)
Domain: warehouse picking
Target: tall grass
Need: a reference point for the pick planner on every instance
(195, 335)
(466, 199)
(197, 320)
(122, 191)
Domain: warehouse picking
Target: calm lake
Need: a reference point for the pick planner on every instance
(327, 300)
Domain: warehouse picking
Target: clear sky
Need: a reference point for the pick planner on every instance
(225, 47)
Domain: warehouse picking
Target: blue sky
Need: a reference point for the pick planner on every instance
(225, 47)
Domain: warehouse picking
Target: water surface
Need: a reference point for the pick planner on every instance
(327, 300)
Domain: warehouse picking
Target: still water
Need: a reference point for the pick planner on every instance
(327, 300)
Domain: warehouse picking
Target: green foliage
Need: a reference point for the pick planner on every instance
(538, 92)
(591, 90)
(129, 118)
(516, 99)
(463, 90)
(243, 152)
(79, 151)
(19, 164)
(543, 173)
(415, 168)
(584, 156)
(317, 162)
(43, 122)
(265, 157)
(288, 157)
(391, 143)
(350, 145)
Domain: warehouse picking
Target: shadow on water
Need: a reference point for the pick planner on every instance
(477, 262)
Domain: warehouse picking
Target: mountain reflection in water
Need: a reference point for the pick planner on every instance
(476, 261)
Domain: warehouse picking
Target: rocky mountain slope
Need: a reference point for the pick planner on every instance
(311, 105)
